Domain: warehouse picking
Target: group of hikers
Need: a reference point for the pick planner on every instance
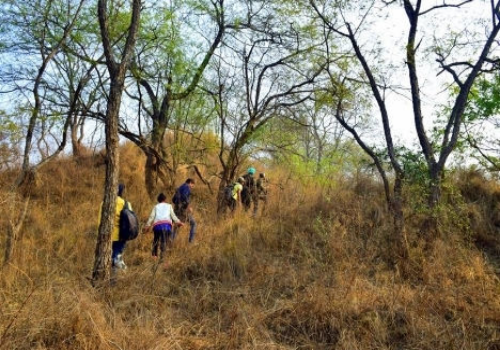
(166, 219)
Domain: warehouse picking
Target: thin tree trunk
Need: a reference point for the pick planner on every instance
(102, 262)
(400, 241)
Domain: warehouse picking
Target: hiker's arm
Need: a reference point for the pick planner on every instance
(175, 218)
(150, 219)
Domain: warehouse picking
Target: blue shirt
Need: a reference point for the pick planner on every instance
(183, 195)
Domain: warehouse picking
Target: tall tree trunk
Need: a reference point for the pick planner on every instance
(75, 140)
(102, 261)
(157, 174)
(228, 175)
(400, 241)
(150, 174)
(430, 227)
(157, 168)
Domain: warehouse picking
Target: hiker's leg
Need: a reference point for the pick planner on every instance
(175, 229)
(169, 240)
(232, 205)
(192, 227)
(163, 242)
(255, 200)
(156, 241)
(117, 248)
(114, 251)
(246, 201)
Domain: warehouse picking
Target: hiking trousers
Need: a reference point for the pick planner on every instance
(117, 248)
(161, 238)
(184, 216)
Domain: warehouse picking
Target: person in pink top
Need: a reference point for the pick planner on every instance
(162, 218)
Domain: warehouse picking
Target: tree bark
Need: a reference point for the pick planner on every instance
(102, 261)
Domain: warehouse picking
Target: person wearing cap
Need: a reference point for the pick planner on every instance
(249, 192)
(117, 246)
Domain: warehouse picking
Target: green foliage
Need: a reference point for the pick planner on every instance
(291, 147)
(11, 135)
(414, 167)
(484, 99)
(9, 124)
(481, 118)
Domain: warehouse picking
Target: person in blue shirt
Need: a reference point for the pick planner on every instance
(183, 208)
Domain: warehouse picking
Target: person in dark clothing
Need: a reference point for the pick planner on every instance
(183, 209)
(249, 192)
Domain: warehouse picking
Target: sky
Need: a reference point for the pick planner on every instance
(392, 33)
(390, 27)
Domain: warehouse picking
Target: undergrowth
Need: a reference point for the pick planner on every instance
(308, 273)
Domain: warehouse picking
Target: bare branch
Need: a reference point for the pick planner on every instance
(443, 6)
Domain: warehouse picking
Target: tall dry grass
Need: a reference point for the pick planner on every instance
(309, 273)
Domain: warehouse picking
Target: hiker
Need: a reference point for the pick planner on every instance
(161, 219)
(235, 198)
(183, 209)
(117, 245)
(262, 188)
(249, 192)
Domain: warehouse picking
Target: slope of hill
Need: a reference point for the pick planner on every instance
(311, 272)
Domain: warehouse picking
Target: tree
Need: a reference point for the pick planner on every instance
(37, 32)
(340, 21)
(116, 71)
(167, 73)
(260, 75)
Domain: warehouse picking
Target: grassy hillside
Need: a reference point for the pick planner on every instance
(312, 272)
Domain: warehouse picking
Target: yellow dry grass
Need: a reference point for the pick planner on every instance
(309, 273)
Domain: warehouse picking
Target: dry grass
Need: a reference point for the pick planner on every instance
(310, 273)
